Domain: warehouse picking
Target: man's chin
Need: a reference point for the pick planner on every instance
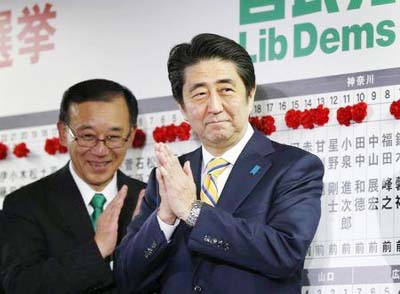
(99, 174)
(98, 182)
(218, 138)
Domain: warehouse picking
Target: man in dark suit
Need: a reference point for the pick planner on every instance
(65, 226)
(234, 216)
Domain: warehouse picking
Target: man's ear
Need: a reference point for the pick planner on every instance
(253, 93)
(132, 136)
(250, 99)
(62, 133)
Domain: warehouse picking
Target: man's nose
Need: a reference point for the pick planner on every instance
(100, 148)
(215, 103)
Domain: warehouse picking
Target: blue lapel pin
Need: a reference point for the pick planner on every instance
(255, 170)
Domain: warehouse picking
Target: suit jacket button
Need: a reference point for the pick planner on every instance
(197, 289)
(227, 246)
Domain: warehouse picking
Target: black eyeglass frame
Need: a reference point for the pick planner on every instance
(106, 141)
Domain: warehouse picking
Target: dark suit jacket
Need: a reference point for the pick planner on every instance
(53, 248)
(254, 241)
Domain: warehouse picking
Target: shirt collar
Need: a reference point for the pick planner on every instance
(87, 192)
(233, 153)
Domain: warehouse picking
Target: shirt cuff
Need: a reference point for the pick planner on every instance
(168, 229)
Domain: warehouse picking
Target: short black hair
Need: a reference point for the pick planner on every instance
(97, 90)
(204, 47)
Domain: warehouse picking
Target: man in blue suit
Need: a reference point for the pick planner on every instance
(234, 216)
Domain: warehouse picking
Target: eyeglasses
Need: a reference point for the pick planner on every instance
(89, 140)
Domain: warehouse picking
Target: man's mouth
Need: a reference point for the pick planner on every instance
(216, 121)
(99, 164)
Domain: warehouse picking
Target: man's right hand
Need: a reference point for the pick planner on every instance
(107, 224)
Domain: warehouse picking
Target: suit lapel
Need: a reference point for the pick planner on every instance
(70, 207)
(249, 168)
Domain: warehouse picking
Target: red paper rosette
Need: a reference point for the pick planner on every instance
(359, 112)
(395, 109)
(52, 146)
(292, 118)
(255, 122)
(140, 139)
(49, 147)
(20, 150)
(183, 131)
(3, 151)
(159, 134)
(60, 148)
(343, 115)
(172, 132)
(356, 113)
(308, 118)
(320, 115)
(265, 124)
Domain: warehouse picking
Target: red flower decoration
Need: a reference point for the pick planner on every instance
(343, 115)
(60, 148)
(359, 112)
(306, 119)
(268, 124)
(159, 134)
(255, 122)
(3, 151)
(265, 124)
(20, 150)
(395, 109)
(140, 139)
(52, 146)
(49, 147)
(292, 118)
(320, 115)
(183, 131)
(171, 133)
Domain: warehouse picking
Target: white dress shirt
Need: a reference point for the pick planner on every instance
(110, 191)
(230, 156)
